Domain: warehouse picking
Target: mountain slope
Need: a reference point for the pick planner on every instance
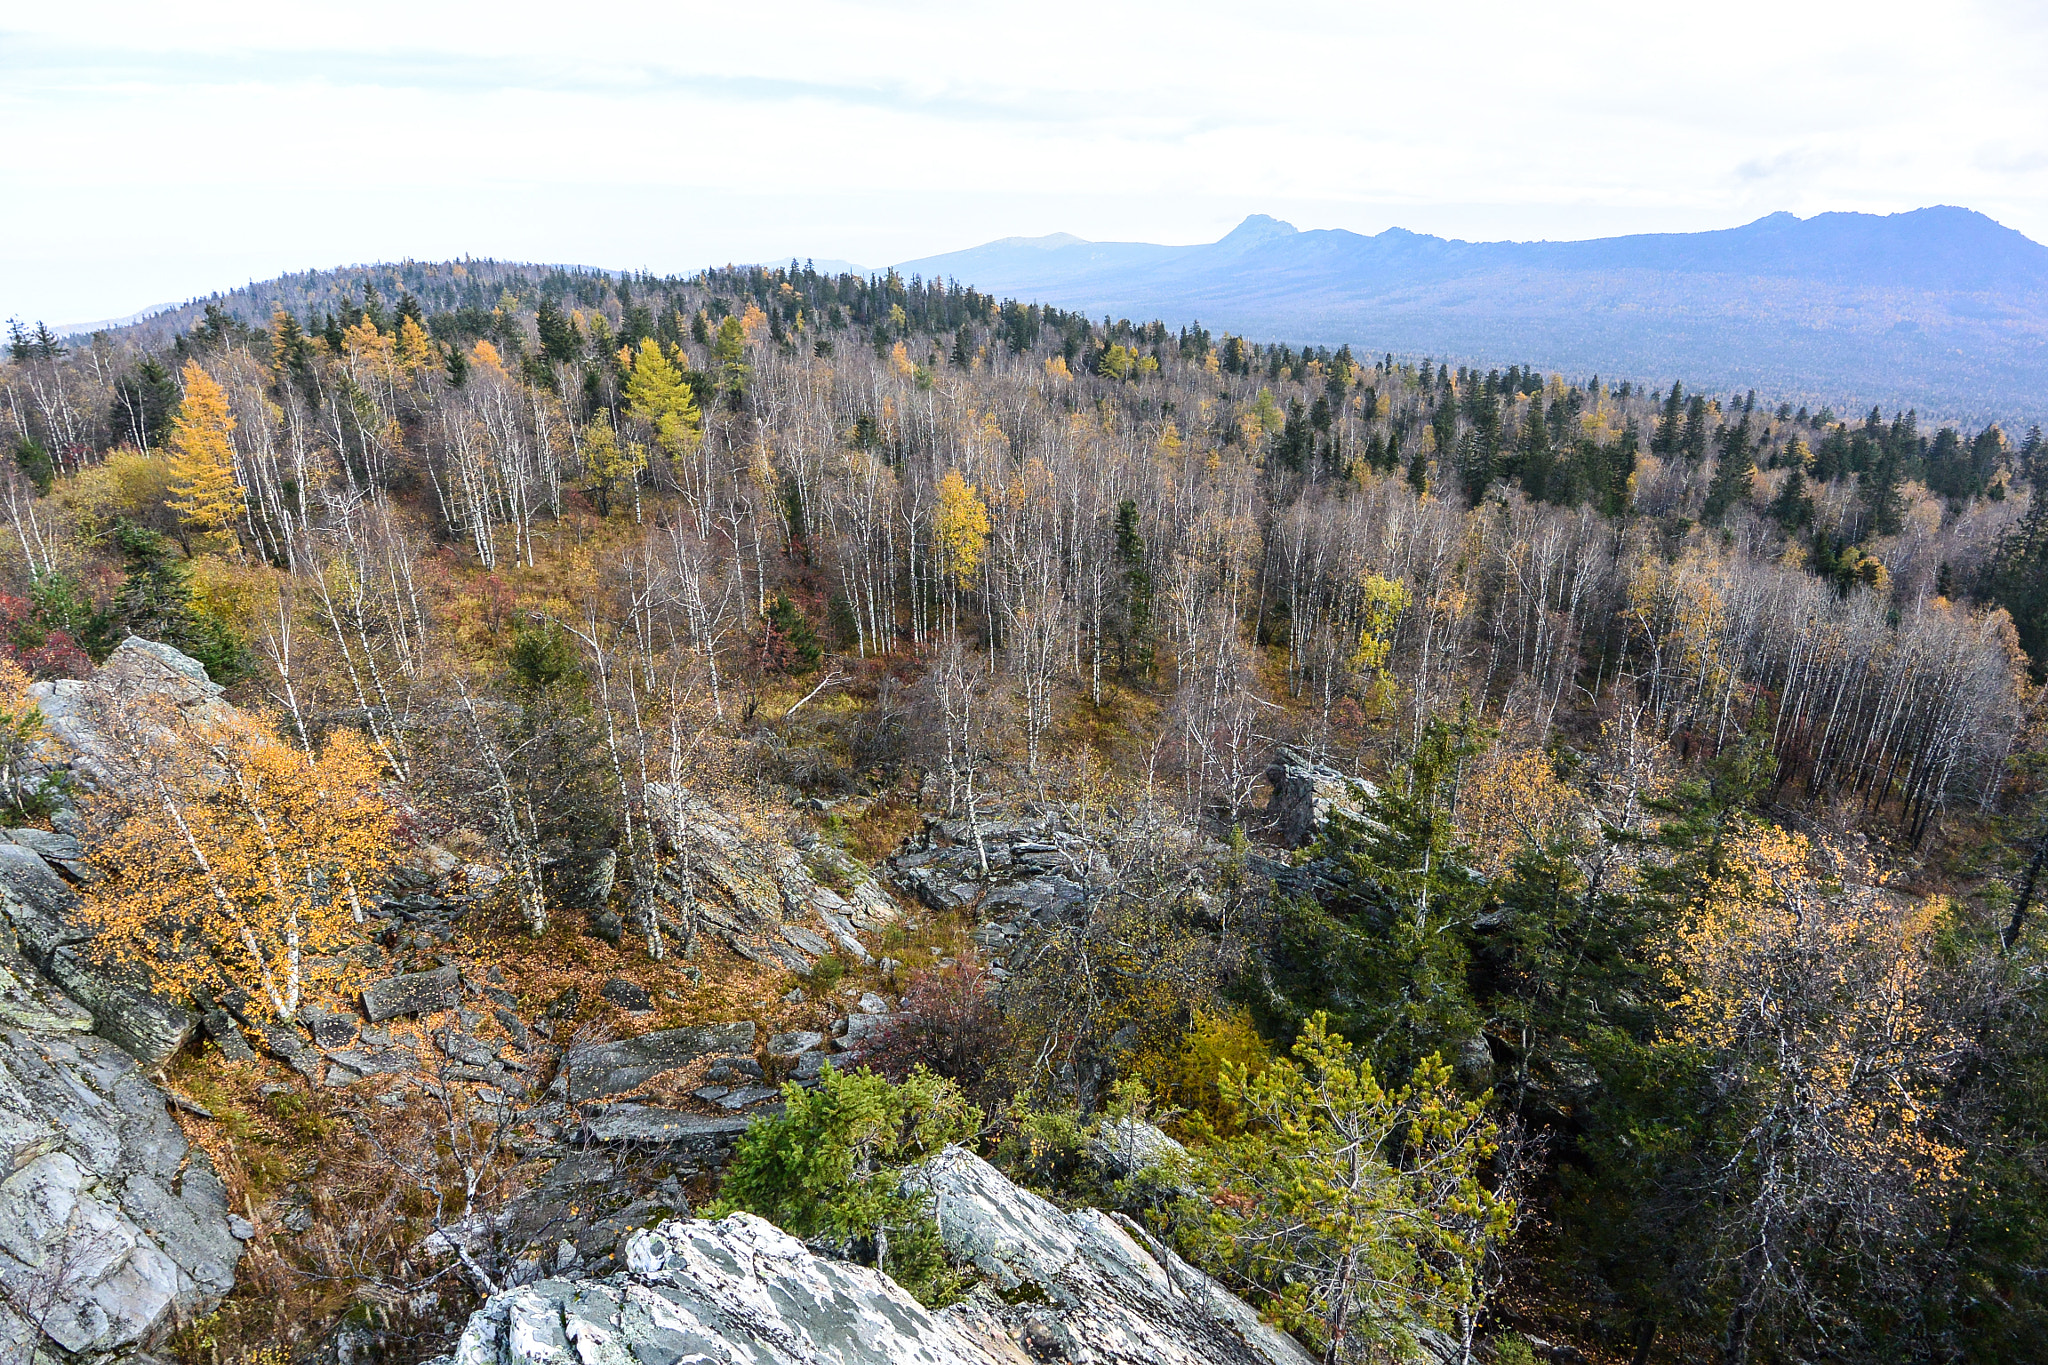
(1939, 308)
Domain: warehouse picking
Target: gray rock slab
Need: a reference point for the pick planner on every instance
(105, 1200)
(653, 1124)
(43, 913)
(614, 1068)
(793, 1043)
(412, 993)
(737, 1290)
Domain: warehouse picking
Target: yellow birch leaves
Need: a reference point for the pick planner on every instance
(229, 858)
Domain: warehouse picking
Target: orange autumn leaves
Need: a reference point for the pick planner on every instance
(231, 859)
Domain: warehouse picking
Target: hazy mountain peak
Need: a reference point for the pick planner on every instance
(1938, 307)
(1256, 228)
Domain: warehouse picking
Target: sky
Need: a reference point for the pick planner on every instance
(155, 153)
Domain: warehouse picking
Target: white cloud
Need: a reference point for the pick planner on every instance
(154, 152)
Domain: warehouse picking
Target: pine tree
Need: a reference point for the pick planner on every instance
(1537, 460)
(1134, 637)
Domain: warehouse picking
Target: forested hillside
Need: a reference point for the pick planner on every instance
(1669, 987)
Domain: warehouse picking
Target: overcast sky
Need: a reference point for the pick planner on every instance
(154, 152)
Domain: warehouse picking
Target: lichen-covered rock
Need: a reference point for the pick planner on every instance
(111, 1226)
(735, 1290)
(1115, 1295)
(593, 1072)
(1102, 1293)
(770, 894)
(42, 911)
(412, 993)
(137, 669)
(1305, 794)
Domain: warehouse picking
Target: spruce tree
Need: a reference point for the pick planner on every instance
(1733, 475)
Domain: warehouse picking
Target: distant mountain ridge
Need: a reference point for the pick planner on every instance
(1939, 308)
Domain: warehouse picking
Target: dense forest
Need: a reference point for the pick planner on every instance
(1689, 888)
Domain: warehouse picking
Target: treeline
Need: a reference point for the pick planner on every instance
(1162, 505)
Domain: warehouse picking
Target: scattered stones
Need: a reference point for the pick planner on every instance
(412, 993)
(515, 1027)
(863, 1031)
(466, 1050)
(330, 1029)
(227, 1035)
(870, 1003)
(745, 1095)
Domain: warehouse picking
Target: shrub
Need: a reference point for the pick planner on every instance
(949, 1024)
(827, 1171)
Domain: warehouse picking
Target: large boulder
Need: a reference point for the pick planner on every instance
(112, 1228)
(138, 670)
(1086, 1287)
(735, 1290)
(412, 993)
(1306, 793)
(1111, 1293)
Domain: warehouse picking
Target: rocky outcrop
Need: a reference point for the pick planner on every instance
(111, 1225)
(777, 899)
(1112, 1292)
(42, 911)
(137, 669)
(737, 1290)
(1085, 1287)
(1306, 793)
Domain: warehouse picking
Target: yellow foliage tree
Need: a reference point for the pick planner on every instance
(21, 730)
(610, 461)
(227, 856)
(201, 469)
(961, 527)
(414, 349)
(1513, 799)
(1381, 602)
(657, 394)
(1818, 1017)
